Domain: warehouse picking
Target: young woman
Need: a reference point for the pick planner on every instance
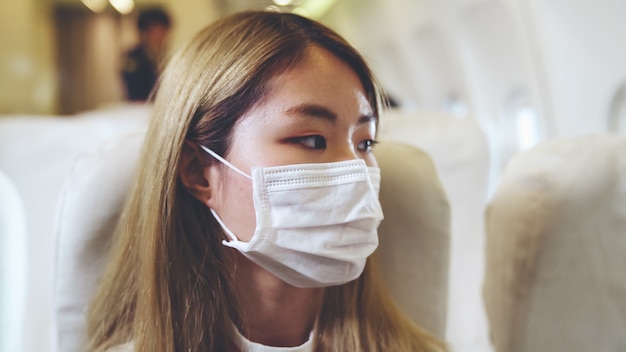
(254, 212)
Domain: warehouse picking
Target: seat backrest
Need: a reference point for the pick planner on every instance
(556, 248)
(13, 266)
(90, 204)
(36, 154)
(414, 237)
(460, 152)
(414, 248)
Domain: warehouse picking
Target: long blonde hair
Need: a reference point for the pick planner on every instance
(169, 284)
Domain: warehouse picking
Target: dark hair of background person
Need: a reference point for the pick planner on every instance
(142, 64)
(150, 17)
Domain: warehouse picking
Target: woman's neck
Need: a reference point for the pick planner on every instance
(275, 313)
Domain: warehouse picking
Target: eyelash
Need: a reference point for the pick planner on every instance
(319, 142)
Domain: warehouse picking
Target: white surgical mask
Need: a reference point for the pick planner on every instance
(316, 224)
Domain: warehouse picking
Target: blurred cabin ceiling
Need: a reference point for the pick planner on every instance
(231, 6)
(311, 8)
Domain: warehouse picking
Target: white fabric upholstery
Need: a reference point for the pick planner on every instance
(13, 266)
(36, 154)
(556, 249)
(414, 245)
(414, 237)
(91, 202)
(460, 152)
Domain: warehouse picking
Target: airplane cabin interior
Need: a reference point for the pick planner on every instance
(502, 158)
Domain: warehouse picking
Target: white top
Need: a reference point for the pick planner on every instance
(248, 346)
(242, 343)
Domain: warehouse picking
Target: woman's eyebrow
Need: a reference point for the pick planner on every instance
(312, 110)
(318, 111)
(367, 119)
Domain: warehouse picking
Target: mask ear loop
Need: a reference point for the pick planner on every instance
(219, 220)
(226, 229)
(225, 162)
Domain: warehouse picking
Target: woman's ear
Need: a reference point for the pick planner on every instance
(194, 172)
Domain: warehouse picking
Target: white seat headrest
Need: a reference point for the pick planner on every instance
(13, 266)
(556, 248)
(414, 245)
(460, 152)
(91, 202)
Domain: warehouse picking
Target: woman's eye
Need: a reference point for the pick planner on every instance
(366, 145)
(313, 142)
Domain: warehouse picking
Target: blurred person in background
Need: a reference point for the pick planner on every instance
(142, 63)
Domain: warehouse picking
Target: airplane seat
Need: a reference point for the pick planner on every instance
(414, 237)
(90, 204)
(556, 248)
(460, 152)
(414, 249)
(12, 266)
(36, 153)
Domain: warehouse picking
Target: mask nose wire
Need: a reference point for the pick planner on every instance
(225, 162)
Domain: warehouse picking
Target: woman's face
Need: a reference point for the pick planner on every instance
(316, 112)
